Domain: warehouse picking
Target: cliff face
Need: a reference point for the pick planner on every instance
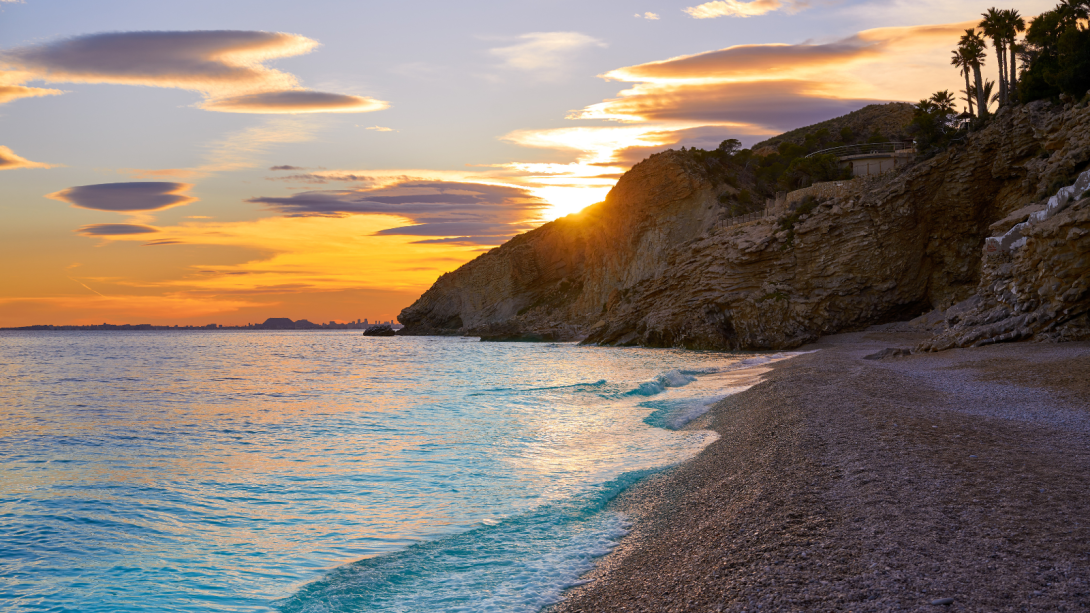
(1037, 287)
(651, 266)
(553, 280)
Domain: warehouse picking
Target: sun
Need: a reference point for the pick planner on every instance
(568, 199)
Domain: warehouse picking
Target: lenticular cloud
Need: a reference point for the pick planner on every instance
(226, 66)
(116, 229)
(294, 101)
(134, 197)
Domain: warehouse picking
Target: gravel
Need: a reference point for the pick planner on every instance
(955, 481)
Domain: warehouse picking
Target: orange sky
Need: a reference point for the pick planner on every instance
(214, 171)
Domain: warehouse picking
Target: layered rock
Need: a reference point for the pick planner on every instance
(651, 266)
(1035, 282)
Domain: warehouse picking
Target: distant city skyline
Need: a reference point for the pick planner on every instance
(271, 323)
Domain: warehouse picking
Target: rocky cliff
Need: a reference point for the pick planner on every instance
(652, 264)
(1035, 280)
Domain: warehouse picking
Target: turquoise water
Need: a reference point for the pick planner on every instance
(243, 471)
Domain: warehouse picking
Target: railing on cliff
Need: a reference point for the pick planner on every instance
(867, 149)
(741, 219)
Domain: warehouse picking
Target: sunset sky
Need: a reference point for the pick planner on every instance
(228, 161)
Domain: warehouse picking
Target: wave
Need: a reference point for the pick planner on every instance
(668, 379)
(521, 563)
(674, 414)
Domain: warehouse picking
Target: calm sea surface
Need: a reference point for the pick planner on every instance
(291, 471)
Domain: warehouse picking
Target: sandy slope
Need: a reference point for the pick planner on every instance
(858, 485)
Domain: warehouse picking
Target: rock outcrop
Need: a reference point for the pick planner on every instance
(1035, 281)
(383, 330)
(651, 265)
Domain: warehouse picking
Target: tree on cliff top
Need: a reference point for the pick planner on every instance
(972, 45)
(935, 122)
(961, 61)
(1056, 55)
(994, 26)
(1013, 24)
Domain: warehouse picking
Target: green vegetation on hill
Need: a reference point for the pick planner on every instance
(781, 163)
(1055, 56)
(1056, 53)
(889, 120)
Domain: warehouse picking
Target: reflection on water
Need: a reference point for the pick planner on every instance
(223, 471)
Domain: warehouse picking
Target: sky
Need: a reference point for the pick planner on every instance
(224, 162)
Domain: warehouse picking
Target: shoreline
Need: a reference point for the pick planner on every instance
(840, 483)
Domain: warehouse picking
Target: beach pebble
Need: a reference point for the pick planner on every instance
(942, 601)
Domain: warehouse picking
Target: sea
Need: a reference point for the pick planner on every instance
(302, 471)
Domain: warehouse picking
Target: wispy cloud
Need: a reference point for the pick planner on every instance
(298, 254)
(226, 66)
(9, 160)
(545, 54)
(15, 92)
(772, 87)
(647, 15)
(744, 91)
(741, 8)
(475, 212)
(238, 150)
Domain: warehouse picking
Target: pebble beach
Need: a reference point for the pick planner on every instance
(952, 481)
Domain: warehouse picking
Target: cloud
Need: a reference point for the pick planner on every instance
(226, 66)
(544, 53)
(775, 106)
(240, 149)
(115, 229)
(9, 160)
(739, 8)
(435, 208)
(14, 92)
(752, 61)
(286, 167)
(126, 197)
(702, 137)
(458, 230)
(772, 87)
(748, 92)
(381, 129)
(294, 101)
(647, 15)
(298, 254)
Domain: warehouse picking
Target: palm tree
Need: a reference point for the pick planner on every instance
(961, 62)
(967, 95)
(1074, 10)
(995, 27)
(973, 46)
(943, 101)
(1014, 25)
(986, 93)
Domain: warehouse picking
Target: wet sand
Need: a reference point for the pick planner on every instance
(845, 484)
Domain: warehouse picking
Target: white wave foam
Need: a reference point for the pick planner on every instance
(671, 378)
